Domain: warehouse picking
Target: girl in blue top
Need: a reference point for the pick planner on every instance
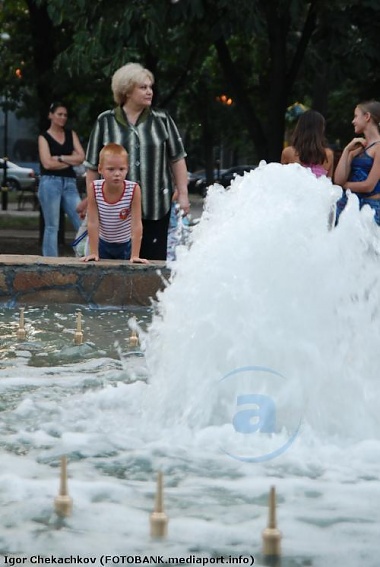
(359, 166)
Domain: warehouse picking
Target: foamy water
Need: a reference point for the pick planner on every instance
(268, 301)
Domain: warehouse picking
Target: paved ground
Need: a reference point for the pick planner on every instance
(19, 241)
(16, 241)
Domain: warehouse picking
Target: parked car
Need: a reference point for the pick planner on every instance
(225, 177)
(197, 183)
(35, 165)
(80, 171)
(18, 177)
(229, 174)
(192, 178)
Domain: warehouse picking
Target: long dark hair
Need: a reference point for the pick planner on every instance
(308, 138)
(54, 105)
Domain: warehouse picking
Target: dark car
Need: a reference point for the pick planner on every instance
(225, 177)
(229, 174)
(192, 178)
(197, 182)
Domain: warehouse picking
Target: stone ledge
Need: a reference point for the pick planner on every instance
(38, 280)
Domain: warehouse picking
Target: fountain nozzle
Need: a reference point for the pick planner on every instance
(272, 535)
(158, 518)
(63, 503)
(78, 335)
(21, 332)
(134, 339)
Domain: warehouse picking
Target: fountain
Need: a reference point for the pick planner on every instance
(271, 318)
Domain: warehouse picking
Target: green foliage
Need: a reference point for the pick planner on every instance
(14, 49)
(325, 52)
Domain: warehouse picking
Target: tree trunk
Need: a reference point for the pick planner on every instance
(43, 54)
(278, 28)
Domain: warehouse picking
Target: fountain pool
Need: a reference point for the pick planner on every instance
(268, 301)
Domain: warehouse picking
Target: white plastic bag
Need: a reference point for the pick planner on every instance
(80, 244)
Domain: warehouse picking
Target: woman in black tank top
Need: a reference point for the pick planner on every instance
(59, 150)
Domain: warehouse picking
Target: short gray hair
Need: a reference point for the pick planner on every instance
(126, 78)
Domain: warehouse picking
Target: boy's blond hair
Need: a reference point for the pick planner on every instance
(113, 150)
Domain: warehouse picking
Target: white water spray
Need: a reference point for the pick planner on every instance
(267, 282)
(266, 285)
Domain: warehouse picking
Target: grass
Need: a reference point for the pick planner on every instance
(23, 220)
(12, 196)
(18, 222)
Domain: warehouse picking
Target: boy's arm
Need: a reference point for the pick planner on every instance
(92, 226)
(136, 226)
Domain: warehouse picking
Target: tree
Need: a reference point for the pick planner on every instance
(263, 55)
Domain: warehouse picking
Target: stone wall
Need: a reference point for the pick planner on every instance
(36, 280)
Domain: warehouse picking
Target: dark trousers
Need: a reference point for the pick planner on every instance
(155, 238)
(114, 250)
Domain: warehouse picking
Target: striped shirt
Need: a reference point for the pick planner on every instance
(114, 218)
(152, 144)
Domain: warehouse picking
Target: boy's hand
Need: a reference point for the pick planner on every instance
(91, 258)
(137, 260)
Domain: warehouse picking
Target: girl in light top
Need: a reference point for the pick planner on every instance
(114, 210)
(308, 145)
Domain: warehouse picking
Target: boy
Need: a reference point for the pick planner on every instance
(114, 210)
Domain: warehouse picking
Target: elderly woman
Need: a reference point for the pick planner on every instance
(156, 153)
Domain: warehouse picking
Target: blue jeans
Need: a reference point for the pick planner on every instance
(52, 192)
(114, 250)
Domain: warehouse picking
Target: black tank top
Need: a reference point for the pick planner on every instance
(57, 149)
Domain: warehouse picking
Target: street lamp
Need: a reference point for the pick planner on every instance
(224, 99)
(4, 187)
